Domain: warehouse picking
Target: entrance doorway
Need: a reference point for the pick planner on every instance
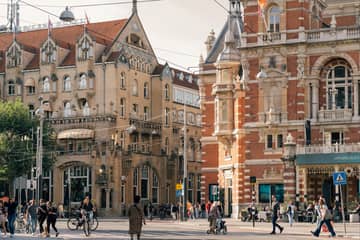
(77, 184)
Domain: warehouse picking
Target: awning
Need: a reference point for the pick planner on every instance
(76, 134)
(30, 82)
(328, 158)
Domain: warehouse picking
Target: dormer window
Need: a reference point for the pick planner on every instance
(83, 81)
(135, 40)
(274, 19)
(11, 88)
(46, 84)
(14, 56)
(48, 53)
(85, 49)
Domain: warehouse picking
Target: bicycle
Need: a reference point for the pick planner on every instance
(74, 222)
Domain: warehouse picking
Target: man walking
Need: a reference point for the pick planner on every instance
(31, 213)
(12, 216)
(275, 215)
(136, 218)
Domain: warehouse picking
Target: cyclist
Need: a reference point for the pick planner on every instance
(86, 207)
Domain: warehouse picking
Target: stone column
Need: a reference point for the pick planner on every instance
(315, 100)
(305, 173)
(356, 99)
(107, 190)
(289, 172)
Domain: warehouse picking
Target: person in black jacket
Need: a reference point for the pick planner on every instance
(11, 210)
(51, 218)
(42, 214)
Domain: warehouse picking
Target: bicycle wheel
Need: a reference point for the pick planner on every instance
(87, 228)
(94, 224)
(72, 224)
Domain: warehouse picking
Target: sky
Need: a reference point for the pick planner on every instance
(177, 29)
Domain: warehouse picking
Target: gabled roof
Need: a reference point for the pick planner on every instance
(65, 37)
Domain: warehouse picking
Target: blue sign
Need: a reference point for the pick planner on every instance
(339, 178)
(179, 193)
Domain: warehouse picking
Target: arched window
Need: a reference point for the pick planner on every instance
(190, 187)
(46, 84)
(86, 109)
(155, 188)
(67, 83)
(167, 116)
(274, 19)
(83, 81)
(167, 92)
(146, 90)
(134, 88)
(11, 88)
(339, 87)
(67, 109)
(122, 80)
(167, 146)
(48, 53)
(145, 182)
(122, 107)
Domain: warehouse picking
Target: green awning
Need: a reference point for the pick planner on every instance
(328, 158)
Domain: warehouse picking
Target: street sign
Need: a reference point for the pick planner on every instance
(339, 178)
(179, 193)
(179, 186)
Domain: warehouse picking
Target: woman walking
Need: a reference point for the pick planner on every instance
(325, 217)
(51, 218)
(31, 212)
(136, 218)
(42, 214)
(290, 213)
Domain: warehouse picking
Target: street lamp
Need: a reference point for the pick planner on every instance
(39, 149)
(185, 166)
(67, 15)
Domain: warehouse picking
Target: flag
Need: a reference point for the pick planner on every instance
(50, 26)
(262, 3)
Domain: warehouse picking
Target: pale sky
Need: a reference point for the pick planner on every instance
(171, 25)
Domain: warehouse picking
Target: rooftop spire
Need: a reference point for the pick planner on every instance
(134, 6)
(235, 7)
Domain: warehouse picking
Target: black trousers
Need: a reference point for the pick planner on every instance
(41, 220)
(51, 220)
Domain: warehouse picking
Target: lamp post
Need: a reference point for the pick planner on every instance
(185, 166)
(39, 150)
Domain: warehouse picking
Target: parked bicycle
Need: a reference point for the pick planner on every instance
(88, 221)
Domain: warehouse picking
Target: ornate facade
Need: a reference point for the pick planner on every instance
(286, 76)
(118, 114)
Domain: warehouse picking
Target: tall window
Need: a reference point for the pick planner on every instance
(198, 188)
(134, 110)
(85, 49)
(122, 107)
(167, 92)
(31, 110)
(167, 116)
(48, 53)
(122, 80)
(274, 19)
(67, 109)
(167, 145)
(146, 90)
(146, 113)
(86, 109)
(339, 88)
(266, 190)
(11, 88)
(83, 81)
(46, 84)
(67, 83)
(155, 188)
(190, 187)
(224, 111)
(269, 141)
(144, 182)
(134, 88)
(135, 181)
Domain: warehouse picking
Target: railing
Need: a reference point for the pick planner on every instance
(335, 115)
(139, 148)
(222, 88)
(146, 126)
(334, 148)
(272, 117)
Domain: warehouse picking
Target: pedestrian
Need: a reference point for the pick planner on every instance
(42, 215)
(290, 212)
(61, 210)
(151, 209)
(3, 215)
(31, 216)
(325, 216)
(203, 210)
(275, 215)
(208, 206)
(136, 218)
(213, 215)
(11, 211)
(51, 218)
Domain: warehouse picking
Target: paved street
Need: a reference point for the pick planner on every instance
(191, 230)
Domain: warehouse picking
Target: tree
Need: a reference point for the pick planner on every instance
(18, 141)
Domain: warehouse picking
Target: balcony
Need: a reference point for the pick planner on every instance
(271, 117)
(334, 148)
(141, 148)
(146, 127)
(217, 88)
(335, 115)
(87, 122)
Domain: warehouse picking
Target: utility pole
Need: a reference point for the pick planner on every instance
(39, 151)
(185, 166)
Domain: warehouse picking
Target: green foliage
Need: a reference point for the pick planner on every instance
(18, 140)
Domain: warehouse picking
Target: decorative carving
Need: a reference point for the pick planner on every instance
(301, 66)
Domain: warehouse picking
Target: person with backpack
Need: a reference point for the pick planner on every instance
(136, 218)
(325, 218)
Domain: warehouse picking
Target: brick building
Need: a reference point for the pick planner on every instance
(118, 114)
(278, 78)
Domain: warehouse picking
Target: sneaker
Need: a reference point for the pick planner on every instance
(273, 233)
(57, 234)
(313, 233)
(281, 229)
